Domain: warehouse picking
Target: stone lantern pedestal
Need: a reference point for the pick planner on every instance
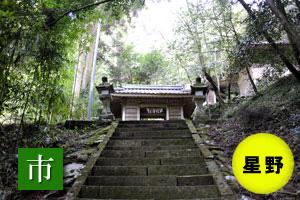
(199, 113)
(105, 89)
(199, 91)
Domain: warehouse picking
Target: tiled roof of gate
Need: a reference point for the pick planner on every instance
(152, 89)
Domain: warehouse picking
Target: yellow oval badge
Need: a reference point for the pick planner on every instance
(263, 163)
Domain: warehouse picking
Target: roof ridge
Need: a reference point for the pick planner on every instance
(148, 86)
(152, 89)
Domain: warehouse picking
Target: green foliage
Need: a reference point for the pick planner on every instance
(80, 105)
(127, 61)
(151, 68)
(135, 68)
(205, 37)
(254, 48)
(38, 41)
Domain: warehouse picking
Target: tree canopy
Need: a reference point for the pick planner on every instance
(38, 41)
(41, 42)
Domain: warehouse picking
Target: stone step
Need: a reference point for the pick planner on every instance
(152, 192)
(151, 170)
(151, 122)
(153, 125)
(150, 154)
(147, 130)
(151, 137)
(122, 154)
(127, 161)
(152, 148)
(155, 135)
(219, 198)
(179, 170)
(206, 179)
(150, 180)
(148, 161)
(151, 128)
(116, 199)
(182, 160)
(173, 153)
(150, 142)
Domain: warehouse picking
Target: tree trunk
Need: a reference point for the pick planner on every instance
(229, 78)
(288, 27)
(24, 112)
(292, 34)
(74, 82)
(49, 109)
(213, 84)
(53, 22)
(298, 4)
(251, 79)
(229, 90)
(40, 116)
(5, 72)
(247, 62)
(261, 31)
(93, 74)
(296, 51)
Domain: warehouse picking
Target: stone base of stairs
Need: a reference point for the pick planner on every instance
(146, 192)
(151, 160)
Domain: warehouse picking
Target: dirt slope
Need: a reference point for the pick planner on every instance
(275, 110)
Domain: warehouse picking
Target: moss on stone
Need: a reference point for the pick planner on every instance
(97, 135)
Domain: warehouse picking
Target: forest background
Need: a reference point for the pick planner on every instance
(47, 48)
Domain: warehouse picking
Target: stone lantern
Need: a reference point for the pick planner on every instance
(105, 89)
(199, 91)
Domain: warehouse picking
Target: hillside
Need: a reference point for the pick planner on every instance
(275, 110)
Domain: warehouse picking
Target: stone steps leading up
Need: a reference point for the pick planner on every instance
(150, 154)
(150, 160)
(152, 192)
(153, 199)
(141, 129)
(151, 124)
(167, 134)
(163, 180)
(150, 170)
(152, 148)
(150, 142)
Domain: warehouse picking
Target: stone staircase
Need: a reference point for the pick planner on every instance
(150, 160)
